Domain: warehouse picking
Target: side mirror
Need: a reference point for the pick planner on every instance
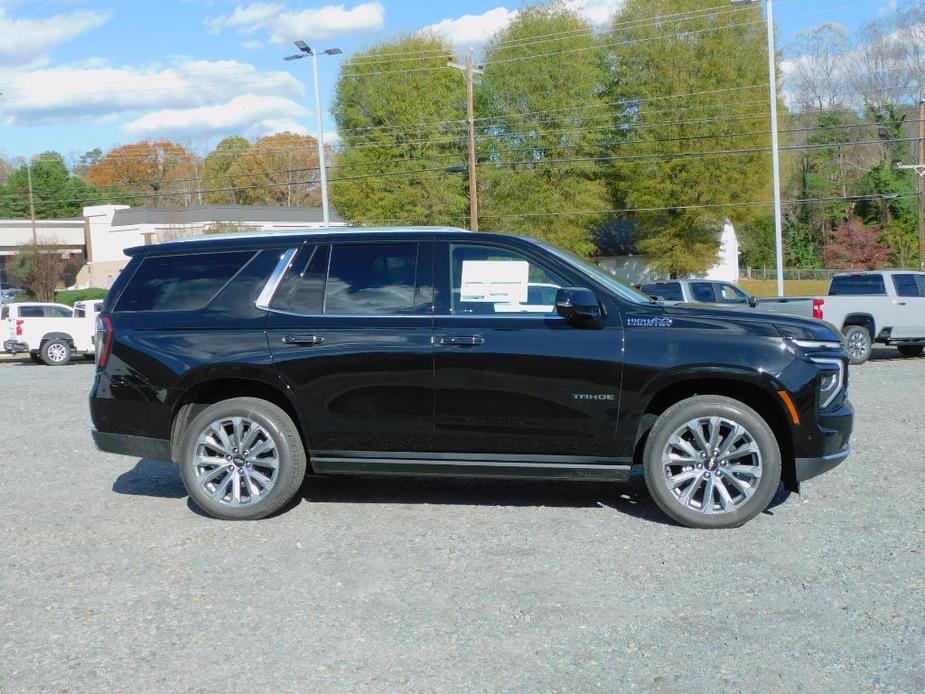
(753, 301)
(579, 306)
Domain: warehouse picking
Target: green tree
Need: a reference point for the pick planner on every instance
(669, 83)
(543, 129)
(55, 191)
(400, 113)
(218, 164)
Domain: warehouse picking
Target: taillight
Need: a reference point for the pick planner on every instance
(104, 333)
(818, 311)
(19, 327)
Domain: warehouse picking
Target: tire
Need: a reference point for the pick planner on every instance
(263, 485)
(56, 352)
(858, 343)
(670, 484)
(911, 350)
(36, 357)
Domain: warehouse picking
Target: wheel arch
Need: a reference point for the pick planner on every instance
(863, 320)
(209, 391)
(55, 335)
(753, 393)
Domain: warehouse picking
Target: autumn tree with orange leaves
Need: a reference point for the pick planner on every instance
(160, 173)
(279, 170)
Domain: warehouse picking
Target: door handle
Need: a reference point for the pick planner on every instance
(462, 341)
(303, 340)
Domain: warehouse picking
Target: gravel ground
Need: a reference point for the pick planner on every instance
(110, 582)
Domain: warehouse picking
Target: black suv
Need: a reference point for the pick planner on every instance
(250, 360)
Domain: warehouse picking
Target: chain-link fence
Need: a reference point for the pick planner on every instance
(753, 273)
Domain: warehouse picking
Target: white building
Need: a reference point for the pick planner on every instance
(99, 239)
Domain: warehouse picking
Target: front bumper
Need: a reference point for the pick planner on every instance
(14, 346)
(835, 429)
(136, 446)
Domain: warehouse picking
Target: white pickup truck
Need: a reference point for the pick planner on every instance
(886, 307)
(51, 333)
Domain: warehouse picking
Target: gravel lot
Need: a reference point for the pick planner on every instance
(110, 582)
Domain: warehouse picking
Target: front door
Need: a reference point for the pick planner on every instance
(350, 332)
(910, 305)
(515, 381)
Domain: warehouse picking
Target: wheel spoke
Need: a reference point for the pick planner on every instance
(678, 480)
(261, 479)
(751, 470)
(741, 485)
(221, 437)
(692, 488)
(210, 475)
(252, 489)
(222, 489)
(707, 504)
(685, 446)
(236, 487)
(261, 448)
(725, 498)
(697, 429)
(252, 433)
(715, 427)
(730, 441)
(237, 426)
(741, 452)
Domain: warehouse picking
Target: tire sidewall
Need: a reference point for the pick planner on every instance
(695, 408)
(867, 338)
(911, 351)
(277, 497)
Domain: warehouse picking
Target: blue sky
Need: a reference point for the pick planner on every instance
(79, 74)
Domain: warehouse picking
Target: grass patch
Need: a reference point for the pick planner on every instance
(791, 287)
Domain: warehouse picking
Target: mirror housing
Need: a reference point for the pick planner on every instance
(580, 307)
(753, 301)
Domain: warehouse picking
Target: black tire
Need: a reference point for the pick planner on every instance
(703, 406)
(36, 357)
(290, 451)
(911, 350)
(56, 352)
(858, 342)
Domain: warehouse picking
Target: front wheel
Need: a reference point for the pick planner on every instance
(712, 462)
(242, 459)
(858, 344)
(911, 350)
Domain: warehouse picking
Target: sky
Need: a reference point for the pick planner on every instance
(81, 74)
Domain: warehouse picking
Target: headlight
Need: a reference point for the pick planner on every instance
(831, 381)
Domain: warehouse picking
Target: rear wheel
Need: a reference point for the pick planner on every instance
(858, 343)
(712, 462)
(911, 350)
(242, 459)
(56, 352)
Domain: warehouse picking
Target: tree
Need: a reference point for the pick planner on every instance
(160, 173)
(6, 169)
(280, 170)
(400, 113)
(87, 160)
(39, 268)
(855, 246)
(215, 170)
(542, 129)
(669, 86)
(56, 193)
(819, 68)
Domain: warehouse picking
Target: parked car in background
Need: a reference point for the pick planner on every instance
(9, 294)
(883, 307)
(699, 292)
(51, 333)
(252, 359)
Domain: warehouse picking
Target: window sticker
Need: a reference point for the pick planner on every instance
(494, 281)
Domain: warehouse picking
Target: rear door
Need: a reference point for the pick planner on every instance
(703, 293)
(910, 300)
(350, 331)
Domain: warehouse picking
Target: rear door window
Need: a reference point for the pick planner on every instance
(58, 312)
(669, 291)
(703, 292)
(180, 282)
(31, 311)
(372, 279)
(857, 285)
(906, 285)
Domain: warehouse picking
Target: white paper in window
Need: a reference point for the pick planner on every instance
(494, 281)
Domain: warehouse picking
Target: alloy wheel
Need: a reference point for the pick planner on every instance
(857, 345)
(236, 461)
(712, 465)
(56, 353)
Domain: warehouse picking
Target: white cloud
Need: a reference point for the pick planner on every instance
(27, 41)
(94, 90)
(476, 29)
(473, 29)
(253, 45)
(285, 25)
(248, 114)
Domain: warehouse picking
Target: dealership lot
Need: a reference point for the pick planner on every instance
(110, 582)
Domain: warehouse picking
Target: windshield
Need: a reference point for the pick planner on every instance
(624, 291)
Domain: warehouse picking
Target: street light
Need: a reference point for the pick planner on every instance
(775, 150)
(305, 51)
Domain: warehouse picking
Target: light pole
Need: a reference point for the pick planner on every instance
(308, 50)
(775, 148)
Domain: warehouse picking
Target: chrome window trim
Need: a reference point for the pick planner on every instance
(269, 289)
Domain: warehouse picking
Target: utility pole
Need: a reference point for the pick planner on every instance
(35, 236)
(471, 71)
(920, 170)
